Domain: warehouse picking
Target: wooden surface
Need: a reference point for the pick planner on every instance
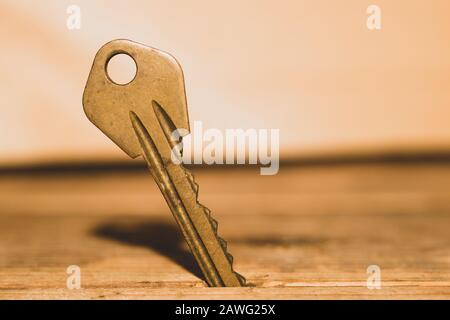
(309, 232)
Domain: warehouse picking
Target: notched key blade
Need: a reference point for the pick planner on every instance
(229, 276)
(159, 77)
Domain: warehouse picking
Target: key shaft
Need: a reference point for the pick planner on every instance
(195, 225)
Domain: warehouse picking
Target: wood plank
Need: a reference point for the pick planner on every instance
(306, 233)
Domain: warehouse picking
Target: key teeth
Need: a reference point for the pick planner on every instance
(212, 221)
(194, 185)
(241, 279)
(223, 243)
(214, 225)
(230, 258)
(206, 209)
(191, 179)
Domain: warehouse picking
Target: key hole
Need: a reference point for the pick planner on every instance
(121, 69)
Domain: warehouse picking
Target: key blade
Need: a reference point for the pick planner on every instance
(167, 125)
(181, 194)
(159, 77)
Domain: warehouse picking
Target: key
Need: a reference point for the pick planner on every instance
(140, 118)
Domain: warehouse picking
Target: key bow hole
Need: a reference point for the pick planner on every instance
(121, 68)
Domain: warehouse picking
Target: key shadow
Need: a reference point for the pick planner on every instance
(160, 236)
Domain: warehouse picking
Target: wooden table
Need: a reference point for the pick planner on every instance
(309, 232)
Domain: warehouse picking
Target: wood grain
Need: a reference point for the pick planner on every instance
(309, 232)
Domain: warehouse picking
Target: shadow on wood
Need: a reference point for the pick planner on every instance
(161, 236)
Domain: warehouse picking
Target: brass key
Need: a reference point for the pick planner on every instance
(140, 118)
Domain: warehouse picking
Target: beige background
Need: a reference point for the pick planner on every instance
(310, 68)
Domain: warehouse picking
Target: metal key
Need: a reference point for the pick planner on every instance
(140, 118)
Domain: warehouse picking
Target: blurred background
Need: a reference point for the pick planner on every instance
(310, 68)
(379, 100)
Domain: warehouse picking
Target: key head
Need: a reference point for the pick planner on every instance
(158, 78)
